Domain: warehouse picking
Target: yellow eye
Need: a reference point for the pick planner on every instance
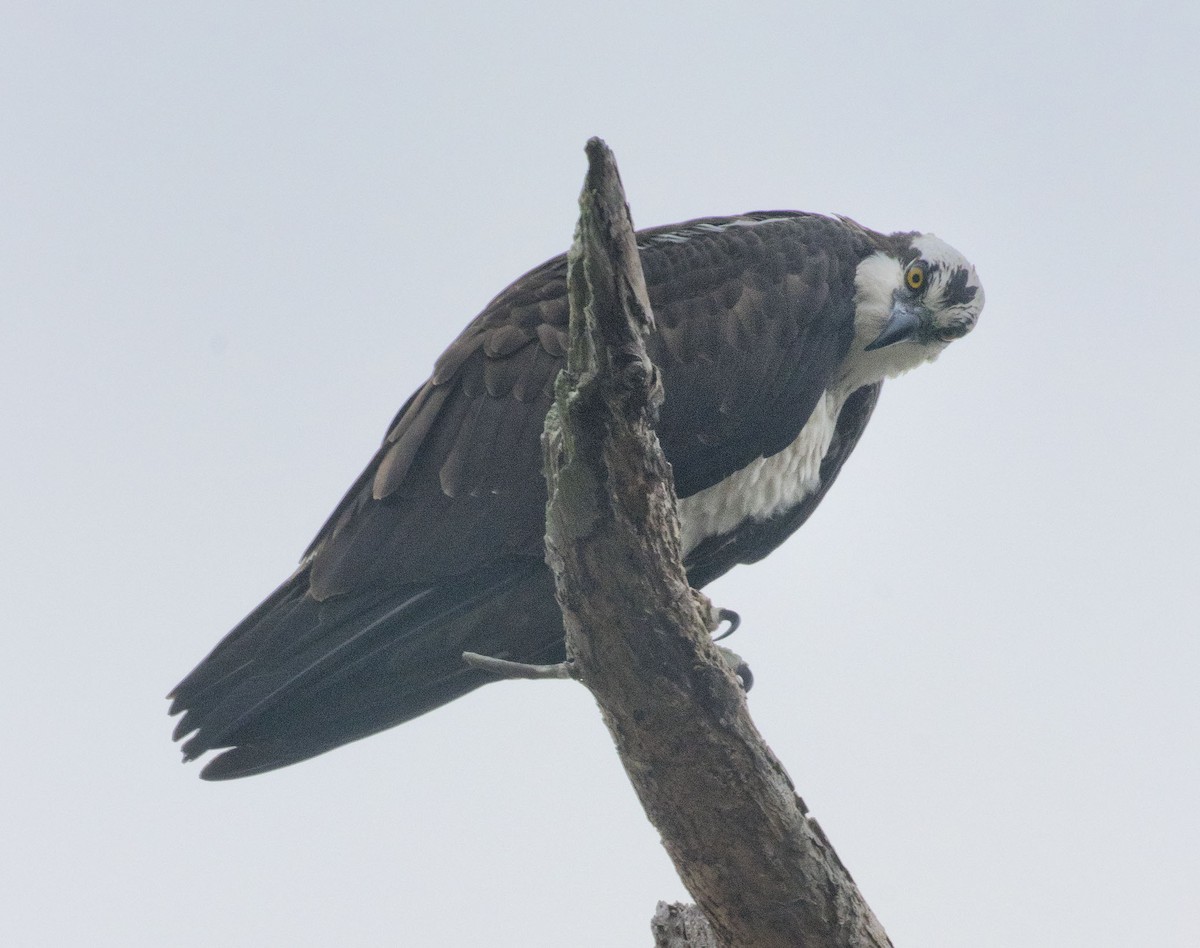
(915, 277)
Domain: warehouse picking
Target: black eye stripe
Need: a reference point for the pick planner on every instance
(957, 291)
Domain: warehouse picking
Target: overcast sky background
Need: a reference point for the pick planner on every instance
(233, 239)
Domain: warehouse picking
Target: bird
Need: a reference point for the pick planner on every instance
(773, 334)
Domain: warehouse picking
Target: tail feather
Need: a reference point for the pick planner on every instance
(299, 677)
(263, 687)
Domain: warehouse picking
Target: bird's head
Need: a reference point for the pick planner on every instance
(912, 298)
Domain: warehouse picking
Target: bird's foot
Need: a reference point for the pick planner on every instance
(727, 615)
(739, 667)
(716, 615)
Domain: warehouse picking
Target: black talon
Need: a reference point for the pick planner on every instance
(734, 620)
(738, 665)
(747, 677)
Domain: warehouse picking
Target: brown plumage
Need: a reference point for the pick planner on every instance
(437, 548)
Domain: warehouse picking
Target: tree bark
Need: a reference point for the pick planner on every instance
(638, 635)
(681, 926)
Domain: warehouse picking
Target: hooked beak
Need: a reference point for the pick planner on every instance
(903, 323)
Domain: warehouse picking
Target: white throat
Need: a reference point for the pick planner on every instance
(876, 279)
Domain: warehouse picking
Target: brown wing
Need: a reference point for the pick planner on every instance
(753, 318)
(437, 548)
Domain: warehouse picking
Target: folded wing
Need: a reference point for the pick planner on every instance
(437, 547)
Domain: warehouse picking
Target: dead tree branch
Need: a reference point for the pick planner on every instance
(761, 871)
(681, 926)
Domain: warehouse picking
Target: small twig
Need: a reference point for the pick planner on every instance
(503, 668)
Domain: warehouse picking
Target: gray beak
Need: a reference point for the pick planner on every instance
(905, 319)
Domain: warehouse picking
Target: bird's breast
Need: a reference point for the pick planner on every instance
(764, 487)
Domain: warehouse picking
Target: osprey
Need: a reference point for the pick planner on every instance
(774, 331)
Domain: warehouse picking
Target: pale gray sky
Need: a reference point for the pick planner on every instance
(233, 239)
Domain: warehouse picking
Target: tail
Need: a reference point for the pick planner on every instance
(299, 677)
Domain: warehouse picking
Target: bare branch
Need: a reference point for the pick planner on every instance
(728, 814)
(681, 926)
(503, 668)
